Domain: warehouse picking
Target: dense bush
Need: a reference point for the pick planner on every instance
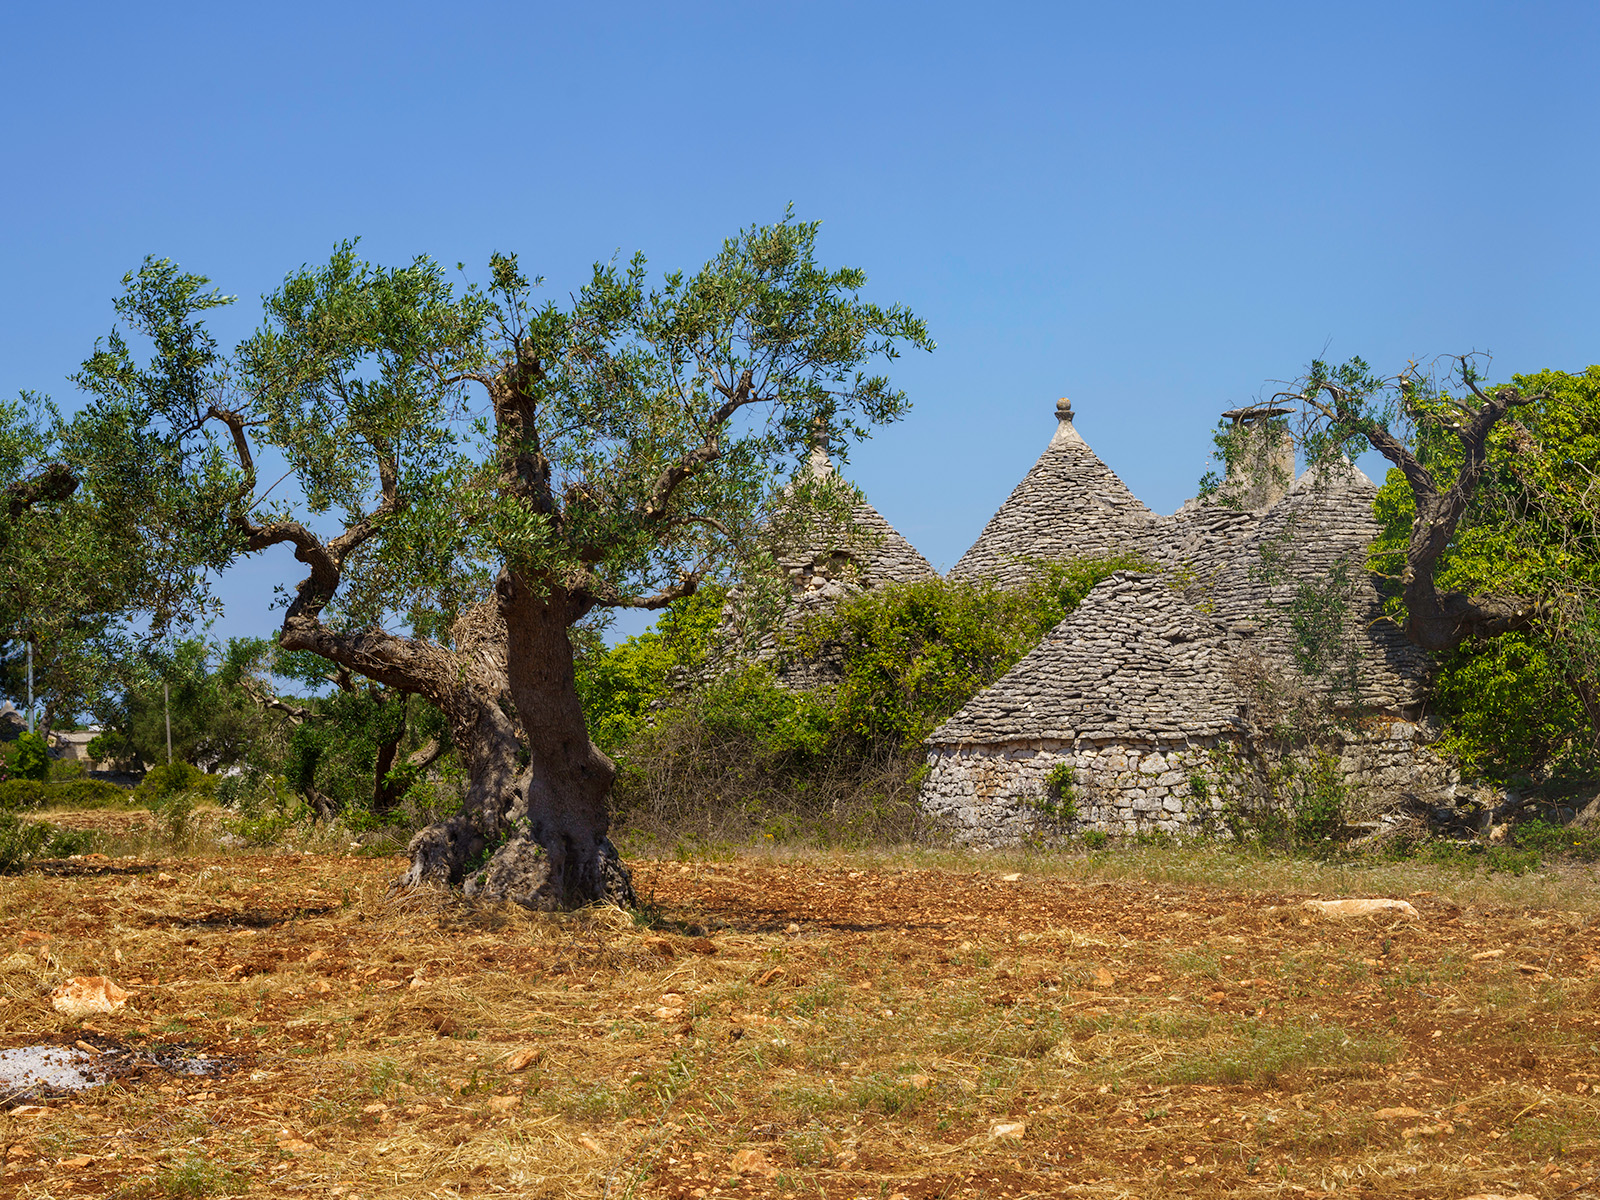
(914, 653)
(87, 793)
(22, 793)
(28, 757)
(21, 842)
(265, 807)
(619, 686)
(162, 783)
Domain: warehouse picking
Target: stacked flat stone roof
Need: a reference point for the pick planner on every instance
(1135, 662)
(834, 561)
(1070, 505)
(1324, 521)
(1230, 581)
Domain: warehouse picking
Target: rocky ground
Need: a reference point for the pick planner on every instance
(902, 1028)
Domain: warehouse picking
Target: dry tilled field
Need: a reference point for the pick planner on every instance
(1162, 1024)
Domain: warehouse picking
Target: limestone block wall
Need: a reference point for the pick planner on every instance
(989, 794)
(1385, 765)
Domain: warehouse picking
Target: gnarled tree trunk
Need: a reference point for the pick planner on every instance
(533, 834)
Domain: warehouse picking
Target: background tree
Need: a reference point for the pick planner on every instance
(1522, 703)
(205, 690)
(359, 751)
(629, 446)
(1407, 419)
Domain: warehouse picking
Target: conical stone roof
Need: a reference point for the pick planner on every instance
(833, 561)
(1070, 505)
(1134, 661)
(870, 553)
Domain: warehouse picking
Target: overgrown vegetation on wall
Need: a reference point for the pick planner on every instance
(741, 754)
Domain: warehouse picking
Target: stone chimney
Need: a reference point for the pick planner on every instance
(1261, 468)
(1064, 431)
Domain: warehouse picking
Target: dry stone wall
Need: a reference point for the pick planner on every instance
(997, 794)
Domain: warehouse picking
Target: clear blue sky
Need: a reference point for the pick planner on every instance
(1151, 208)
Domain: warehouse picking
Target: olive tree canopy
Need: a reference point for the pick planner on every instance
(474, 472)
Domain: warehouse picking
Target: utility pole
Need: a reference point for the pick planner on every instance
(30, 682)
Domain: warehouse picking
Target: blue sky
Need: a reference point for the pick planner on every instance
(1154, 209)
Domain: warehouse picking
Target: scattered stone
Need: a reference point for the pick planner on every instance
(1360, 908)
(1102, 978)
(753, 1162)
(291, 1142)
(504, 1104)
(1397, 1114)
(521, 1060)
(84, 995)
(1007, 1131)
(1481, 955)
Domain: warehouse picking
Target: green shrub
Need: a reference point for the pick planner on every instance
(65, 770)
(87, 793)
(21, 842)
(162, 783)
(619, 686)
(21, 793)
(1060, 800)
(1096, 839)
(267, 807)
(28, 757)
(914, 653)
(1509, 710)
(1319, 806)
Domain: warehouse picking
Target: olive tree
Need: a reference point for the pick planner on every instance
(477, 472)
(1441, 443)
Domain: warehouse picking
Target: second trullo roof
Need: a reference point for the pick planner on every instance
(1133, 661)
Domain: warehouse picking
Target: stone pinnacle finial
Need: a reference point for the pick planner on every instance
(1064, 429)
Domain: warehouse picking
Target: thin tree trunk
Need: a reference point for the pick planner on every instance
(385, 796)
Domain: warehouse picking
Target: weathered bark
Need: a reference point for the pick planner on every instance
(1438, 620)
(569, 777)
(536, 835)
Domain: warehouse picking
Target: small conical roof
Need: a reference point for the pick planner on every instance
(872, 551)
(1070, 505)
(1134, 661)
